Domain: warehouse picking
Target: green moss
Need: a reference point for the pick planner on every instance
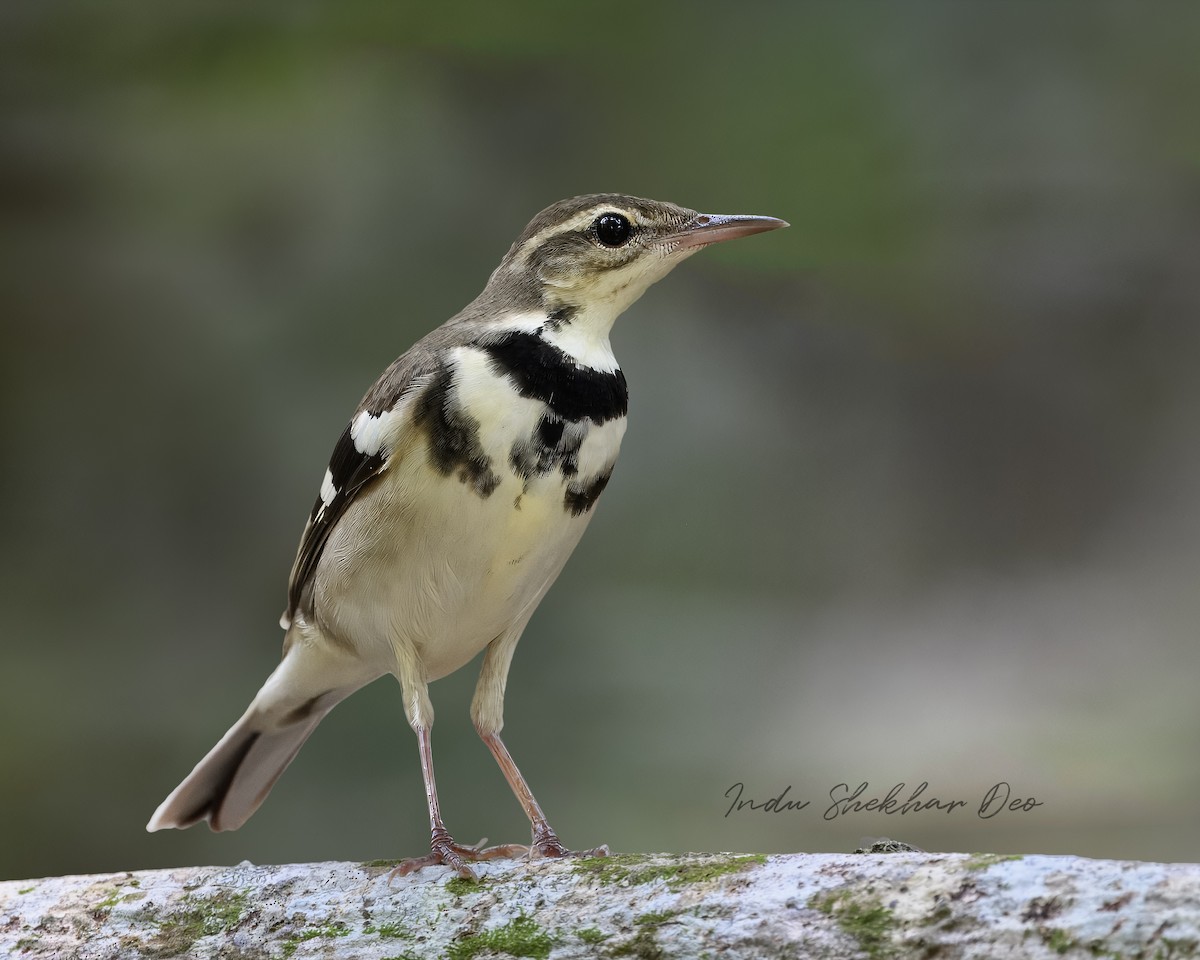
(609, 869)
(643, 947)
(462, 885)
(676, 875)
(388, 931)
(376, 864)
(981, 861)
(1177, 949)
(1058, 939)
(25, 890)
(946, 920)
(592, 935)
(115, 897)
(197, 917)
(520, 938)
(865, 919)
(109, 902)
(654, 919)
(328, 931)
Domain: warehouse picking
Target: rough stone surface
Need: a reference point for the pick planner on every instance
(659, 906)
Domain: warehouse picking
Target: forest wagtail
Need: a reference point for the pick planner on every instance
(452, 500)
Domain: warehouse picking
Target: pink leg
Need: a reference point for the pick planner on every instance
(443, 848)
(545, 841)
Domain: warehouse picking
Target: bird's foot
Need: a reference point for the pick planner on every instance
(445, 851)
(547, 845)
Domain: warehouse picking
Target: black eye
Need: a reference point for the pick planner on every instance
(612, 229)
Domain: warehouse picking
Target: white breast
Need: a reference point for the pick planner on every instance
(421, 559)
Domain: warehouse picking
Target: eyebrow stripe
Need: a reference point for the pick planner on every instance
(580, 220)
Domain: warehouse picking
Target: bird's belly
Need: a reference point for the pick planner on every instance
(499, 560)
(429, 563)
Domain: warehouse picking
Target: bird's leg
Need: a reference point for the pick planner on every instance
(443, 849)
(545, 840)
(487, 712)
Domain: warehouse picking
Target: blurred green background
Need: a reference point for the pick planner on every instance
(909, 491)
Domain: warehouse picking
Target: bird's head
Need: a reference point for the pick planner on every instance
(598, 253)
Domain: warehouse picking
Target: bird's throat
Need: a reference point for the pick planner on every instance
(583, 334)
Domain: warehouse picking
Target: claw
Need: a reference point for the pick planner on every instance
(445, 851)
(547, 845)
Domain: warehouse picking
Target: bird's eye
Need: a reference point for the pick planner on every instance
(612, 229)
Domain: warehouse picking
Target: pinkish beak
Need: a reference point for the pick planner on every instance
(706, 228)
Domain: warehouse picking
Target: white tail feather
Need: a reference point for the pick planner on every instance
(236, 775)
(230, 783)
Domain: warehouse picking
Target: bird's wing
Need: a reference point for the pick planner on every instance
(362, 453)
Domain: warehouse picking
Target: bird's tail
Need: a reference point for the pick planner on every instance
(230, 783)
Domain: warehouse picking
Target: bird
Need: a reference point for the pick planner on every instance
(453, 498)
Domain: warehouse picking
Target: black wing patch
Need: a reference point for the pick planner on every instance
(452, 435)
(350, 470)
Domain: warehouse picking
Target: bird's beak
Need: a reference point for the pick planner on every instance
(706, 228)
